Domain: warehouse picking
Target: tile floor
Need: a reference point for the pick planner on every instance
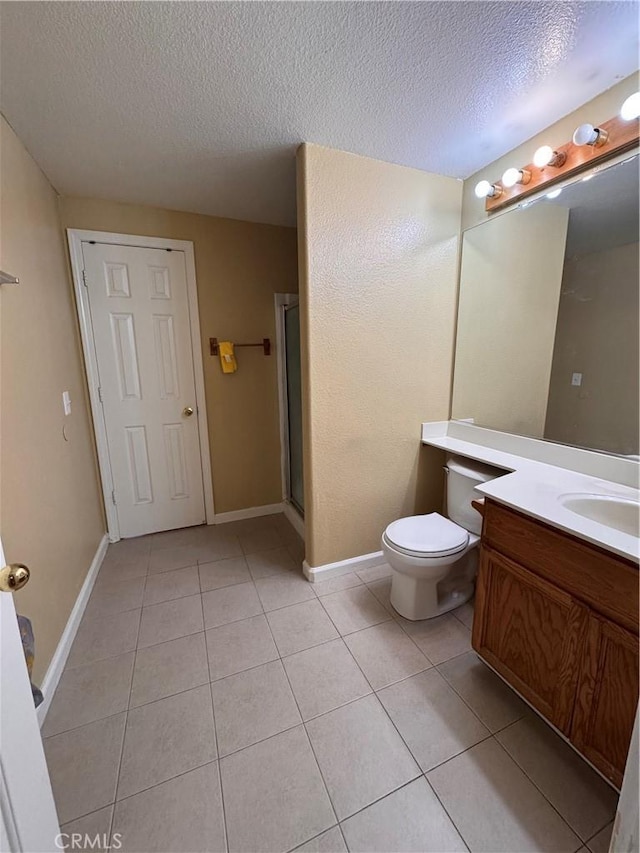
(214, 700)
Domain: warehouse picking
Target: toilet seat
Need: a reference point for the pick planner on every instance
(429, 535)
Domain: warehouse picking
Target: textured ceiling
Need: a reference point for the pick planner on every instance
(200, 106)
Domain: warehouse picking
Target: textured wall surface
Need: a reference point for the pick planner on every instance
(52, 516)
(378, 285)
(510, 278)
(200, 106)
(597, 336)
(239, 267)
(601, 108)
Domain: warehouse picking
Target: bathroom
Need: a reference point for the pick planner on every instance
(254, 691)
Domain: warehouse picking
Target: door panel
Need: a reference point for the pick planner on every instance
(531, 633)
(140, 319)
(607, 697)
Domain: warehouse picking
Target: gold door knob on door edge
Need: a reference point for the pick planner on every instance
(187, 411)
(13, 577)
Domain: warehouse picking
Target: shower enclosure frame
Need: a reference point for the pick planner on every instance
(282, 302)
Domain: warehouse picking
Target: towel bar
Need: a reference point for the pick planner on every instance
(266, 346)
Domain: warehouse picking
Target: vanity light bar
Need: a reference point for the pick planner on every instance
(590, 145)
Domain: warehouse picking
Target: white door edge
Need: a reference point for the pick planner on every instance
(75, 239)
(281, 300)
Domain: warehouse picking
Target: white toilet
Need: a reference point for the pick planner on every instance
(434, 559)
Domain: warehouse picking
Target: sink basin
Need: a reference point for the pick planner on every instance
(622, 514)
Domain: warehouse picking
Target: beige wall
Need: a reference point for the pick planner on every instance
(597, 336)
(378, 280)
(601, 108)
(510, 280)
(52, 516)
(239, 267)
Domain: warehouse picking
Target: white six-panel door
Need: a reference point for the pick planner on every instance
(140, 318)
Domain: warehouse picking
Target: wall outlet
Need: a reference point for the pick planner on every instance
(66, 402)
(576, 379)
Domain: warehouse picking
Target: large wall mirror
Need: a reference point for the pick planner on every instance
(548, 342)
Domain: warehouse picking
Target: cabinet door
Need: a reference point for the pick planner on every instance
(531, 633)
(607, 697)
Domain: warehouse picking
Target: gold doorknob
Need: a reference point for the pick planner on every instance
(13, 577)
(187, 411)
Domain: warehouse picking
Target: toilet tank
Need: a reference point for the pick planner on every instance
(463, 475)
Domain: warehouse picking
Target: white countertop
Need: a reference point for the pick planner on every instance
(534, 488)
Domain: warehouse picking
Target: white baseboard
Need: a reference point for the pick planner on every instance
(250, 512)
(59, 659)
(343, 567)
(294, 518)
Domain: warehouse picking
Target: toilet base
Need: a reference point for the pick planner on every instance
(415, 605)
(416, 599)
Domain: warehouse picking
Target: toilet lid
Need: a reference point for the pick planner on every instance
(427, 534)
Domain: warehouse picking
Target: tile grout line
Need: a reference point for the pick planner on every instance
(464, 701)
(155, 785)
(586, 843)
(537, 787)
(400, 788)
(446, 811)
(313, 752)
(113, 803)
(126, 722)
(281, 657)
(205, 631)
(374, 692)
(215, 732)
(396, 618)
(314, 838)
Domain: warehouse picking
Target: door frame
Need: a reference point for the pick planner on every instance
(76, 237)
(281, 301)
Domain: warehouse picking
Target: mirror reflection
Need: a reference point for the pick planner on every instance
(548, 319)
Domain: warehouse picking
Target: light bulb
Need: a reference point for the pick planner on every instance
(515, 176)
(484, 189)
(543, 156)
(546, 156)
(554, 193)
(587, 134)
(631, 107)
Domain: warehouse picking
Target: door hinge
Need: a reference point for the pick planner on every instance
(84, 277)
(100, 394)
(113, 496)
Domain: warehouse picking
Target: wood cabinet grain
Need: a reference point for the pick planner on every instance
(607, 697)
(558, 620)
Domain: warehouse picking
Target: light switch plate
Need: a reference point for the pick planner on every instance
(66, 402)
(576, 379)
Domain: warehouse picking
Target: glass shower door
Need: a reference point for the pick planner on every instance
(294, 405)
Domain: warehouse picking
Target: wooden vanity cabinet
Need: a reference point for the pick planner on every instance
(557, 618)
(607, 697)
